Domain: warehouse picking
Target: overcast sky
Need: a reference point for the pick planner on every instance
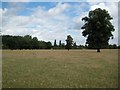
(52, 20)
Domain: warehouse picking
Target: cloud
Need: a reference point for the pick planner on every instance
(58, 9)
(1, 11)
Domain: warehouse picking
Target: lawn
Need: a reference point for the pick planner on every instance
(60, 69)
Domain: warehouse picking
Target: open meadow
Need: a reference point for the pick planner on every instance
(60, 68)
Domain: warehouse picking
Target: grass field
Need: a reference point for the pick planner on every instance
(60, 69)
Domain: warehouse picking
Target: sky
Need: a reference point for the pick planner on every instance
(52, 20)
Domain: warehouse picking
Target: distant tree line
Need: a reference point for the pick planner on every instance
(27, 42)
(24, 42)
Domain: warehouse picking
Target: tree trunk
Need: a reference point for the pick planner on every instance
(98, 50)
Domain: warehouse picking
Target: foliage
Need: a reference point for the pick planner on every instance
(60, 43)
(60, 46)
(114, 46)
(55, 44)
(97, 28)
(49, 45)
(25, 42)
(69, 42)
(74, 46)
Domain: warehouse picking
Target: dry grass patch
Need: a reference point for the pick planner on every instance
(60, 68)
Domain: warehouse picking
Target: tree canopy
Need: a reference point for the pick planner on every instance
(97, 28)
(69, 42)
(25, 42)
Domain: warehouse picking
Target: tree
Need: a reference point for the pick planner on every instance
(42, 45)
(27, 41)
(119, 47)
(60, 43)
(69, 42)
(81, 46)
(55, 44)
(74, 45)
(114, 46)
(34, 43)
(97, 28)
(49, 45)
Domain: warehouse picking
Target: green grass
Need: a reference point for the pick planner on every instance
(60, 69)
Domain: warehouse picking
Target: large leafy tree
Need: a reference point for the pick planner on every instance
(97, 28)
(69, 42)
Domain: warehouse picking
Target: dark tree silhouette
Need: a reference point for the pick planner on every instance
(49, 45)
(55, 44)
(26, 42)
(34, 43)
(97, 28)
(74, 45)
(69, 42)
(60, 43)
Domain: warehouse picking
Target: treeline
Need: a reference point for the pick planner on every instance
(27, 42)
(63, 46)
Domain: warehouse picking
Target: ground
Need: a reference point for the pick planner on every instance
(60, 68)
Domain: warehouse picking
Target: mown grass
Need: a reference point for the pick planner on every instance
(60, 69)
